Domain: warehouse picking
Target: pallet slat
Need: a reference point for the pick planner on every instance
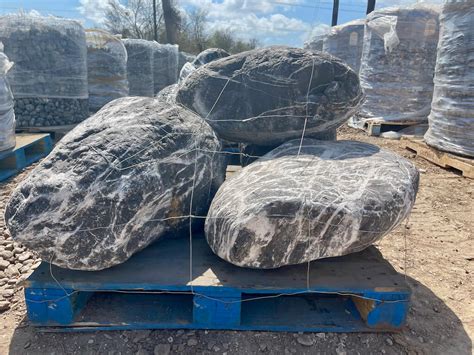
(29, 149)
(377, 127)
(358, 292)
(442, 159)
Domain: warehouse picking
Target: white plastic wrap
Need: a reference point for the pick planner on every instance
(187, 69)
(398, 60)
(7, 115)
(106, 68)
(451, 121)
(140, 67)
(318, 35)
(345, 42)
(49, 55)
(165, 65)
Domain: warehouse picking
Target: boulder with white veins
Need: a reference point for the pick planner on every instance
(116, 183)
(270, 95)
(298, 204)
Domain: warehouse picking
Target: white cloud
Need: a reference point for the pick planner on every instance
(93, 10)
(260, 19)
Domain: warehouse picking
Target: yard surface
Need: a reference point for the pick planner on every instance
(435, 250)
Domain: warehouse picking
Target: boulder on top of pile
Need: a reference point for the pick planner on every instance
(120, 180)
(270, 95)
(309, 200)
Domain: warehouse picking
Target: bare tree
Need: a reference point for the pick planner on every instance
(135, 19)
(197, 29)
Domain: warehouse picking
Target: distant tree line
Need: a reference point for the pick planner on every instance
(190, 31)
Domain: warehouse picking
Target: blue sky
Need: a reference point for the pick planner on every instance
(288, 22)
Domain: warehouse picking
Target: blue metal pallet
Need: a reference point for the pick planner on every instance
(357, 292)
(30, 147)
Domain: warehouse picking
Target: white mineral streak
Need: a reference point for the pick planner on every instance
(266, 96)
(333, 199)
(115, 184)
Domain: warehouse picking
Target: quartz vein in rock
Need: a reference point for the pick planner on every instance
(116, 183)
(267, 96)
(333, 199)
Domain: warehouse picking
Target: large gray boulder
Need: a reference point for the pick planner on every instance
(268, 96)
(116, 183)
(298, 204)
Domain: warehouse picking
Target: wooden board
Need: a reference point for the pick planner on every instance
(376, 127)
(57, 132)
(30, 147)
(154, 290)
(442, 159)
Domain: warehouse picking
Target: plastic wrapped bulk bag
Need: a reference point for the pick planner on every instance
(165, 65)
(319, 34)
(106, 68)
(139, 67)
(184, 58)
(345, 42)
(451, 121)
(7, 116)
(398, 60)
(49, 79)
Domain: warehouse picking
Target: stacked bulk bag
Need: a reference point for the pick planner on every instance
(451, 121)
(345, 42)
(7, 116)
(398, 60)
(49, 79)
(140, 67)
(165, 65)
(106, 68)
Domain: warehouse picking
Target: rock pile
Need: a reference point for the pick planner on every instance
(140, 168)
(398, 61)
(305, 202)
(140, 67)
(106, 68)
(267, 96)
(451, 121)
(15, 264)
(50, 69)
(116, 183)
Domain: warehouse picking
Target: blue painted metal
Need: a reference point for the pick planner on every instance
(14, 160)
(152, 290)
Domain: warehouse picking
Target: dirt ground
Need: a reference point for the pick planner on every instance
(436, 251)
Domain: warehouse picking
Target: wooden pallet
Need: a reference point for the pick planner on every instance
(152, 290)
(377, 127)
(56, 132)
(29, 149)
(442, 159)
